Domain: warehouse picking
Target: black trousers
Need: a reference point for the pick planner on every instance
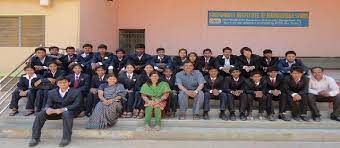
(172, 102)
(139, 102)
(222, 97)
(91, 102)
(231, 102)
(282, 102)
(129, 102)
(41, 99)
(298, 107)
(41, 118)
(312, 99)
(263, 105)
(16, 97)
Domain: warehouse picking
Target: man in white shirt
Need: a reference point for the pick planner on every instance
(323, 88)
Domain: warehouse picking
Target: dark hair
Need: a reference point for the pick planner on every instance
(267, 51)
(53, 47)
(270, 69)
(102, 46)
(167, 68)
(207, 50)
(139, 46)
(232, 69)
(160, 49)
(120, 50)
(54, 62)
(297, 69)
(111, 75)
(192, 53)
(182, 49)
(130, 65)
(212, 67)
(87, 45)
(100, 67)
(75, 65)
(226, 48)
(70, 47)
(148, 82)
(245, 49)
(290, 52)
(63, 78)
(317, 67)
(40, 49)
(29, 66)
(255, 73)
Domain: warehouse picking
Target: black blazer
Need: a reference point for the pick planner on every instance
(300, 87)
(272, 63)
(119, 65)
(177, 63)
(36, 62)
(96, 82)
(231, 85)
(71, 100)
(86, 61)
(128, 83)
(201, 63)
(278, 85)
(166, 59)
(146, 59)
(84, 82)
(171, 82)
(142, 78)
(217, 84)
(48, 74)
(219, 62)
(251, 87)
(106, 60)
(66, 62)
(23, 83)
(254, 61)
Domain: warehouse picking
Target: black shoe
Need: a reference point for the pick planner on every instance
(284, 117)
(271, 117)
(316, 118)
(223, 116)
(305, 118)
(206, 116)
(33, 142)
(232, 116)
(335, 118)
(297, 118)
(64, 142)
(243, 117)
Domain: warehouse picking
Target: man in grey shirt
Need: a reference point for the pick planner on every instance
(190, 82)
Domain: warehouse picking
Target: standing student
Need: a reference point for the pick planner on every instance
(213, 88)
(248, 61)
(25, 88)
(161, 61)
(190, 83)
(86, 58)
(63, 103)
(286, 64)
(140, 58)
(323, 88)
(81, 82)
(275, 92)
(70, 59)
(235, 89)
(178, 61)
(226, 61)
(206, 61)
(170, 78)
(268, 60)
(296, 87)
(128, 79)
(40, 60)
(155, 94)
(120, 60)
(92, 99)
(102, 58)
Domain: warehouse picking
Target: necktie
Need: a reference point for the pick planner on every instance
(76, 82)
(129, 76)
(273, 81)
(206, 64)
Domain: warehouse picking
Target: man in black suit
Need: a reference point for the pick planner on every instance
(235, 89)
(102, 58)
(268, 60)
(119, 61)
(226, 61)
(296, 88)
(206, 61)
(172, 103)
(63, 103)
(86, 58)
(140, 58)
(248, 61)
(70, 59)
(214, 89)
(161, 61)
(40, 61)
(275, 84)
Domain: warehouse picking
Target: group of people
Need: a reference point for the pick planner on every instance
(106, 86)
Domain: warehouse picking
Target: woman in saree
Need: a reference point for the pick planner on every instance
(108, 110)
(154, 93)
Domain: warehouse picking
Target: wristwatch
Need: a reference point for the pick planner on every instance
(196, 91)
(65, 109)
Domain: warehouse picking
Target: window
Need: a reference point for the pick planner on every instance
(128, 38)
(22, 31)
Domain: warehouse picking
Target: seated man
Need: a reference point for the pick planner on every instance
(161, 61)
(248, 61)
(86, 58)
(268, 60)
(275, 92)
(323, 88)
(120, 60)
(41, 60)
(102, 58)
(54, 52)
(140, 58)
(206, 61)
(296, 88)
(70, 59)
(190, 83)
(226, 61)
(235, 89)
(284, 65)
(214, 89)
(171, 107)
(62, 103)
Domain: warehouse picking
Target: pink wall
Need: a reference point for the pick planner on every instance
(175, 24)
